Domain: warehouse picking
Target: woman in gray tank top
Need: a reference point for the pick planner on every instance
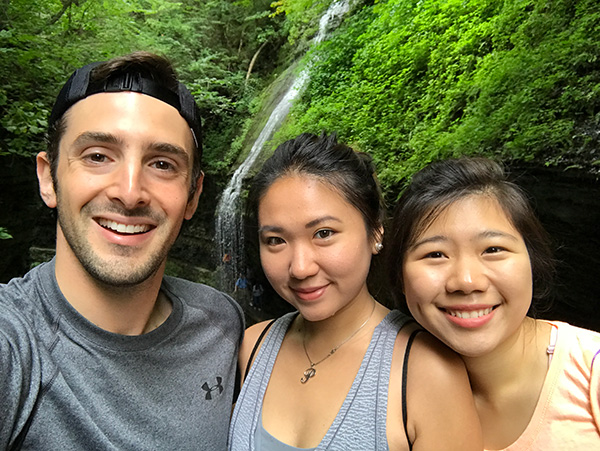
(336, 374)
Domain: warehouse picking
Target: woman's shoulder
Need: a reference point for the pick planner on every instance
(434, 382)
(421, 341)
(580, 343)
(428, 361)
(427, 353)
(252, 335)
(254, 338)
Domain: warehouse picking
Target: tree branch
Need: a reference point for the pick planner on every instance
(66, 4)
(253, 60)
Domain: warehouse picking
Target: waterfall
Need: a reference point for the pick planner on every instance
(229, 223)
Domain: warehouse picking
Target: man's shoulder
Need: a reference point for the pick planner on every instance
(23, 303)
(22, 322)
(194, 289)
(20, 291)
(204, 297)
(15, 287)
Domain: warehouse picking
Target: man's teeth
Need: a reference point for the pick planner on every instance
(471, 314)
(123, 228)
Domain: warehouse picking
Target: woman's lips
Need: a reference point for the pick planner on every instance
(309, 294)
(470, 316)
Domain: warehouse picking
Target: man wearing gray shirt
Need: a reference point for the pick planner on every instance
(100, 350)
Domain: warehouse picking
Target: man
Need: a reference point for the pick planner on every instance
(100, 350)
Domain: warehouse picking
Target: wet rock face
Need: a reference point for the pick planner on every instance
(568, 204)
(21, 211)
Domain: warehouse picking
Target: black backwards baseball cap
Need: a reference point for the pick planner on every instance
(78, 87)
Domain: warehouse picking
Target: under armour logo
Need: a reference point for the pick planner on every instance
(209, 389)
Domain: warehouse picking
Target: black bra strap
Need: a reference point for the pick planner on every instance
(404, 379)
(260, 338)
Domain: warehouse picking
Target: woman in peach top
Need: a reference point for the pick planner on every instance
(470, 260)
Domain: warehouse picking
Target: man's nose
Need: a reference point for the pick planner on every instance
(129, 185)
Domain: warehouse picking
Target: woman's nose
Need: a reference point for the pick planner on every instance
(303, 263)
(467, 275)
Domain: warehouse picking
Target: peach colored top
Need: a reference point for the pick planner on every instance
(567, 415)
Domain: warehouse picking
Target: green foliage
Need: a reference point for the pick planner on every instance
(211, 44)
(41, 41)
(4, 235)
(301, 20)
(412, 81)
(407, 80)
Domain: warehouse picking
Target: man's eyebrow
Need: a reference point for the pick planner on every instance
(172, 149)
(109, 138)
(87, 137)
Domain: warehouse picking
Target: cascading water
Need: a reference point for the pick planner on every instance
(229, 226)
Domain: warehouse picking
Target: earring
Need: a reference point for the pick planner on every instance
(378, 247)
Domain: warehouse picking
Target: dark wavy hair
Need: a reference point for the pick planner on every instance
(350, 173)
(442, 183)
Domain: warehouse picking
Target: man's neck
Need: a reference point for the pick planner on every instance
(129, 310)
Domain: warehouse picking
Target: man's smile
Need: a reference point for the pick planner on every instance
(123, 228)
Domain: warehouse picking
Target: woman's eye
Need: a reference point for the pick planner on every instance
(325, 233)
(493, 250)
(435, 254)
(273, 241)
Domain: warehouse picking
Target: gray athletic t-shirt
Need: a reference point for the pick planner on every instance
(67, 384)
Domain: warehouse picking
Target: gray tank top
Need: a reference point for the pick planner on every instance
(360, 422)
(266, 442)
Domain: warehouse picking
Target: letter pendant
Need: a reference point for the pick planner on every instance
(310, 372)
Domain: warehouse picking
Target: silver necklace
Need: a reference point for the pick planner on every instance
(310, 371)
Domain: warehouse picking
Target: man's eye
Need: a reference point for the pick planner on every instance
(163, 165)
(325, 233)
(97, 157)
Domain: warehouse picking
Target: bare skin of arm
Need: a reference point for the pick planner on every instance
(441, 410)
(250, 337)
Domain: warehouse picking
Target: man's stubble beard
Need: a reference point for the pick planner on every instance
(118, 274)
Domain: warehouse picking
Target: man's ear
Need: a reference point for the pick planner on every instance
(45, 180)
(192, 204)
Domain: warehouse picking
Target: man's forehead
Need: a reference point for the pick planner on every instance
(82, 84)
(124, 116)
